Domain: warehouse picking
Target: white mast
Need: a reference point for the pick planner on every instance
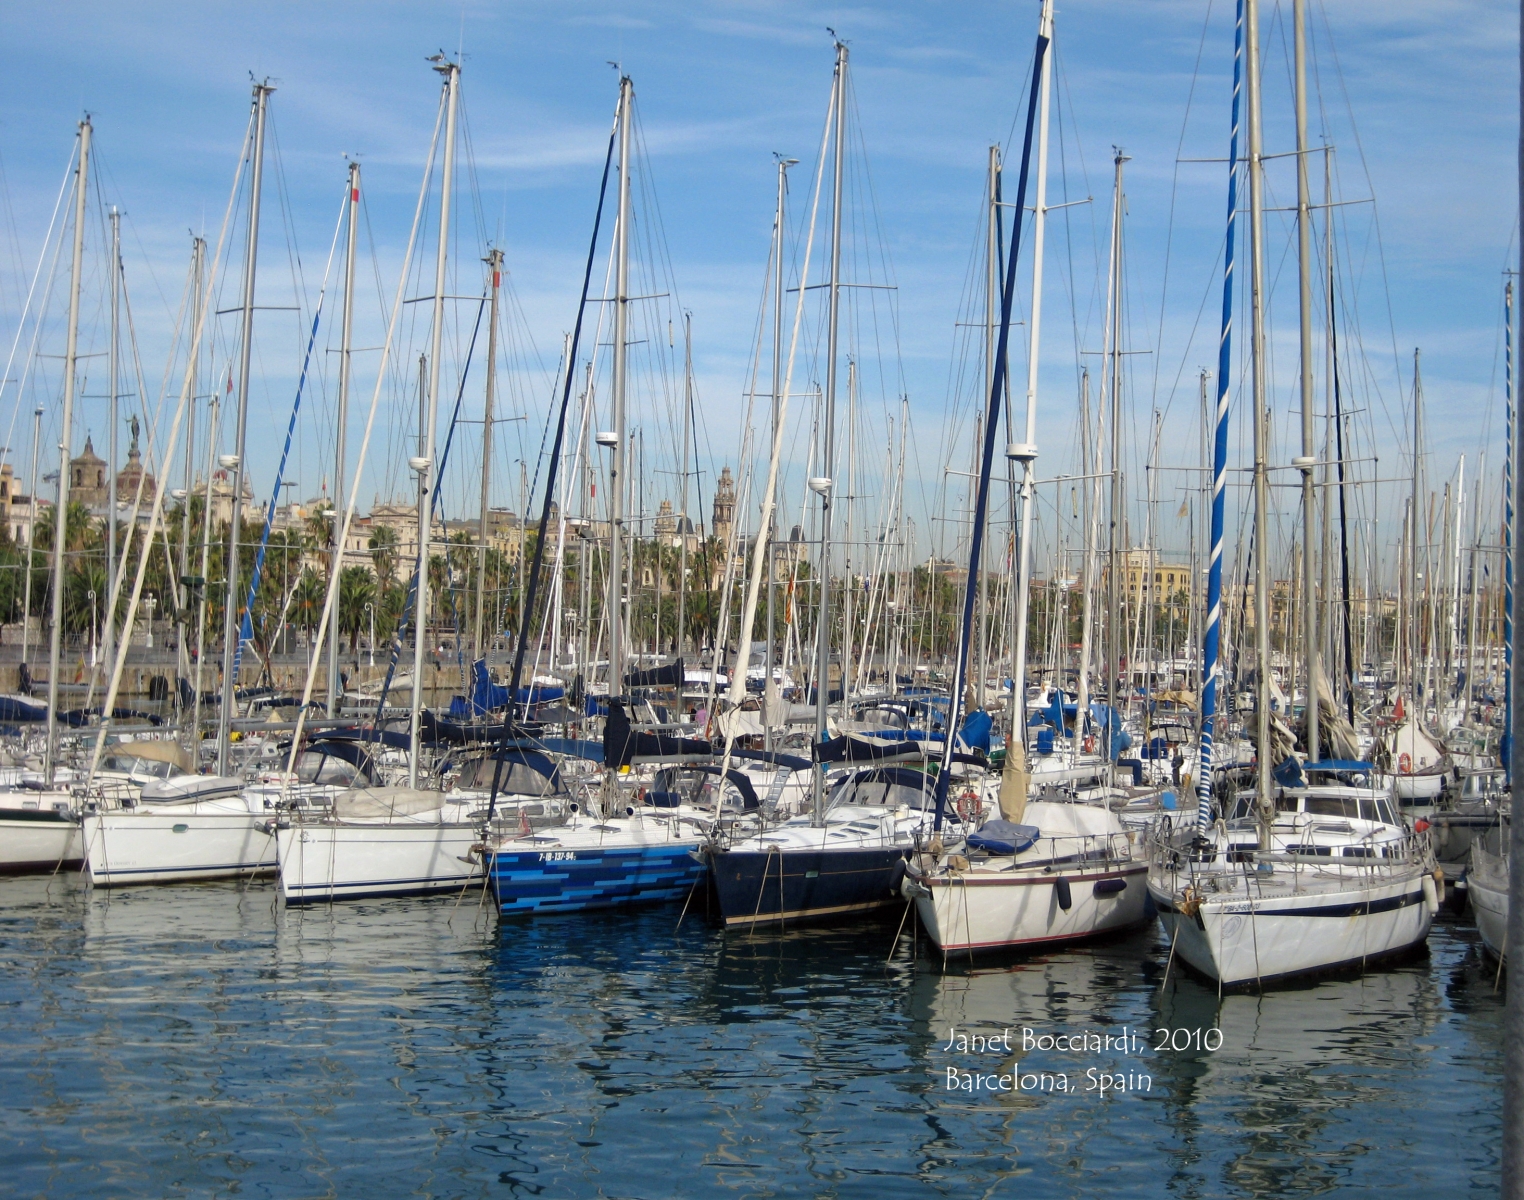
(230, 605)
(1261, 427)
(424, 465)
(336, 551)
(614, 608)
(113, 358)
(1025, 452)
(198, 251)
(1308, 460)
(495, 265)
(770, 531)
(31, 539)
(61, 508)
(682, 516)
(822, 485)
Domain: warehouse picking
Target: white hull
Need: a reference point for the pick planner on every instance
(989, 911)
(1415, 789)
(38, 842)
(1328, 925)
(171, 844)
(1489, 905)
(321, 862)
(1487, 886)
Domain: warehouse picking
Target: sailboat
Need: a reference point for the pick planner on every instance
(623, 845)
(406, 840)
(847, 855)
(1307, 872)
(1487, 876)
(1046, 872)
(39, 821)
(196, 827)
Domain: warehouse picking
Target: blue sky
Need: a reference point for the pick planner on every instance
(1418, 98)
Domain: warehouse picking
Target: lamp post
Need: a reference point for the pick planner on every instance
(93, 639)
(370, 610)
(150, 602)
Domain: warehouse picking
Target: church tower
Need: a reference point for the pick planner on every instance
(724, 506)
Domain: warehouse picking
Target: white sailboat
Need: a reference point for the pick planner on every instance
(407, 840)
(1048, 872)
(39, 825)
(1295, 880)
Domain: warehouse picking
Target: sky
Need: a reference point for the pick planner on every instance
(1417, 100)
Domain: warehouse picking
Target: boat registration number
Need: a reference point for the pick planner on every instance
(557, 855)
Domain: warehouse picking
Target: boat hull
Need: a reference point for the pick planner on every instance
(759, 886)
(34, 841)
(561, 879)
(322, 862)
(1489, 906)
(1244, 942)
(155, 846)
(982, 912)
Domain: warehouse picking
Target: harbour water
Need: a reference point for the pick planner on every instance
(205, 1041)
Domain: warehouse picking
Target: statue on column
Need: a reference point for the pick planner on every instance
(132, 425)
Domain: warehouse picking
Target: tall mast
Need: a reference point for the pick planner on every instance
(198, 253)
(1335, 399)
(824, 485)
(987, 456)
(61, 506)
(31, 539)
(1411, 621)
(425, 468)
(1309, 445)
(113, 358)
(1113, 655)
(1510, 471)
(991, 333)
(1025, 452)
(213, 410)
(495, 265)
(682, 519)
(848, 590)
(1090, 465)
(230, 614)
(1261, 424)
(771, 532)
(336, 551)
(614, 608)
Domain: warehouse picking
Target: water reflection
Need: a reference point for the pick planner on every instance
(200, 1040)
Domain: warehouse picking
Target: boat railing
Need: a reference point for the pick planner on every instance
(1376, 853)
(1066, 850)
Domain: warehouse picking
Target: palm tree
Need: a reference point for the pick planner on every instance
(357, 592)
(307, 601)
(383, 552)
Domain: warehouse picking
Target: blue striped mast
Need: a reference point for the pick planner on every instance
(1213, 647)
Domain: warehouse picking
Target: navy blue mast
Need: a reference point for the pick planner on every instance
(991, 431)
(527, 607)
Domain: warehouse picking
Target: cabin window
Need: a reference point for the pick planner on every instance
(1361, 808)
(514, 778)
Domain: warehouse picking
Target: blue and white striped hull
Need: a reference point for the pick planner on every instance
(560, 879)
